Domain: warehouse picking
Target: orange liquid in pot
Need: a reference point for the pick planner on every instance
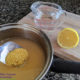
(32, 67)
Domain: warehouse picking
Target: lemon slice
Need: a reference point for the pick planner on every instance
(68, 38)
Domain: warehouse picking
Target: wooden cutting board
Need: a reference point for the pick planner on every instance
(72, 21)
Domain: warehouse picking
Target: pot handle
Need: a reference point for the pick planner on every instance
(65, 66)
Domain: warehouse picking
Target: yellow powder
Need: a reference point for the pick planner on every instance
(16, 57)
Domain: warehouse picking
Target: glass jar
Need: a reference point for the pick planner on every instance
(47, 16)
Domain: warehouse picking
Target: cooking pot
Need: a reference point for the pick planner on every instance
(27, 31)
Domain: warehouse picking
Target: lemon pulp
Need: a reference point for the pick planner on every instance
(16, 57)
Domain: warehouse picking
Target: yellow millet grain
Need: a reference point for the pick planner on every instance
(16, 57)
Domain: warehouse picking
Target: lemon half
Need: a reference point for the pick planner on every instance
(68, 38)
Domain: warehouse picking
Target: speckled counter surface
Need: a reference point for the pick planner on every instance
(13, 10)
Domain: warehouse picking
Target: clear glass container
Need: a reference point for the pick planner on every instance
(47, 16)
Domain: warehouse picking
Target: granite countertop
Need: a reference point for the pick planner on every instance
(13, 10)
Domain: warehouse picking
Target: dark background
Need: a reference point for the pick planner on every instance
(13, 10)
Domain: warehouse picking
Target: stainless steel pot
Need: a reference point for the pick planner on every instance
(27, 31)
